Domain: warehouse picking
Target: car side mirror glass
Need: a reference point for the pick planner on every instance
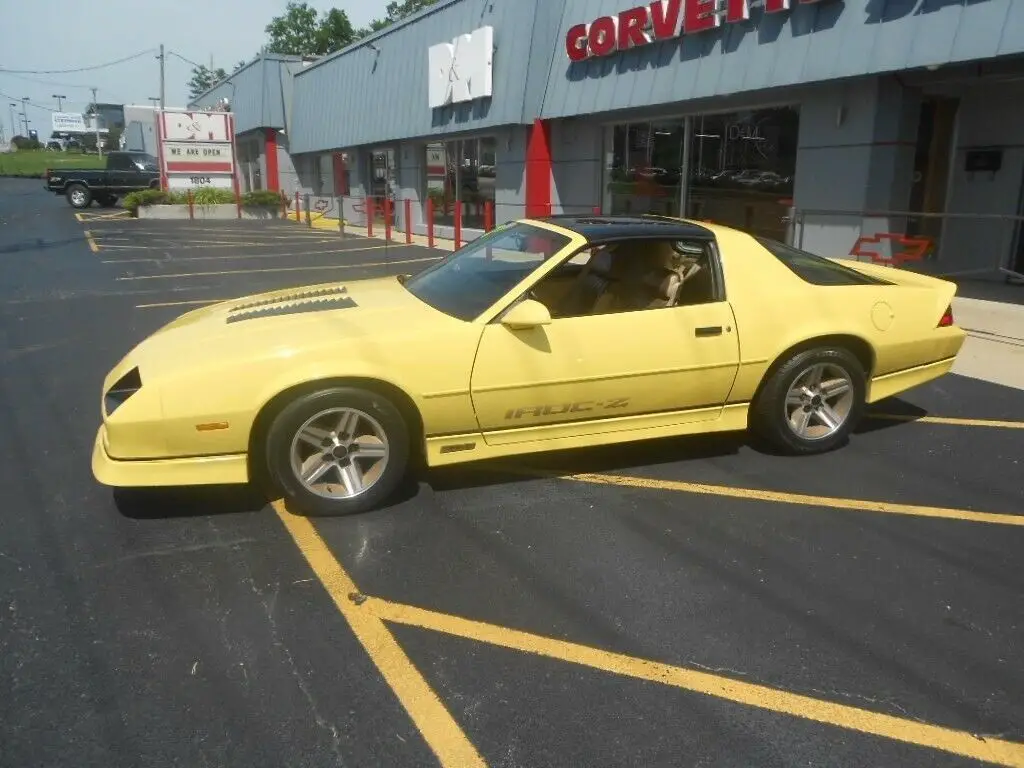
(525, 315)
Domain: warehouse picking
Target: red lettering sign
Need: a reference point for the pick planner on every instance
(666, 19)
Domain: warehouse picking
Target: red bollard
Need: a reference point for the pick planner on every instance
(298, 205)
(387, 220)
(371, 211)
(408, 222)
(191, 206)
(597, 210)
(488, 216)
(458, 224)
(430, 222)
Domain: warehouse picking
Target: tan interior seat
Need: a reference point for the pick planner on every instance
(643, 275)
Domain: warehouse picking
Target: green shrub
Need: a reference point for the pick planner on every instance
(213, 196)
(262, 197)
(135, 200)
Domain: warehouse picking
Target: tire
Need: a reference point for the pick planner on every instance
(799, 417)
(107, 201)
(78, 195)
(349, 484)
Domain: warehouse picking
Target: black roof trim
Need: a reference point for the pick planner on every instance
(617, 226)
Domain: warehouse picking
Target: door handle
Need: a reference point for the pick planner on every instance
(708, 330)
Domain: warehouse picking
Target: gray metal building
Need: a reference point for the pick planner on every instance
(822, 122)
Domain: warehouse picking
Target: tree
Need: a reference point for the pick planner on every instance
(301, 31)
(396, 11)
(203, 79)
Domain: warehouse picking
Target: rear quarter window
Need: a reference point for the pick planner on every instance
(816, 269)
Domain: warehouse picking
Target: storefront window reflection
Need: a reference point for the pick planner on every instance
(740, 169)
(465, 170)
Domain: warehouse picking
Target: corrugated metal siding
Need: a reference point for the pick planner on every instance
(808, 44)
(257, 93)
(358, 97)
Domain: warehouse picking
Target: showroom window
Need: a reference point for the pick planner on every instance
(738, 168)
(461, 169)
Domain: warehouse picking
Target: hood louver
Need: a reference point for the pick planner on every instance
(294, 303)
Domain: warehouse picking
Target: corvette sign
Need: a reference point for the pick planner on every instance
(662, 20)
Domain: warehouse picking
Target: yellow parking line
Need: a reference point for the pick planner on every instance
(275, 269)
(179, 303)
(765, 697)
(993, 423)
(440, 730)
(205, 245)
(778, 497)
(92, 242)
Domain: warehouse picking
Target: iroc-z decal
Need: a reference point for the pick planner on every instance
(560, 409)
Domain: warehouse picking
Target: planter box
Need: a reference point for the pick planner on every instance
(208, 212)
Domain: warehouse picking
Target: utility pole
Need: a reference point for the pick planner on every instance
(14, 128)
(60, 101)
(24, 113)
(154, 99)
(162, 92)
(96, 117)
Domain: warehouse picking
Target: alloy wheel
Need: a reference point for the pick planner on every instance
(339, 453)
(819, 401)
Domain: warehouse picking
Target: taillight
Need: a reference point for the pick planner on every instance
(947, 318)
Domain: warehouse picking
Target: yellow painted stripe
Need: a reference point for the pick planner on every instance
(866, 721)
(992, 423)
(444, 736)
(753, 494)
(275, 269)
(244, 257)
(179, 303)
(92, 242)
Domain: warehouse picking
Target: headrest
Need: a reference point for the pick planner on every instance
(663, 283)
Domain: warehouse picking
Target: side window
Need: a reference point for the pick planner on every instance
(816, 269)
(630, 276)
(121, 163)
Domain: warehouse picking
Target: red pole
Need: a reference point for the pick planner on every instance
(341, 214)
(370, 213)
(408, 221)
(387, 220)
(458, 224)
(430, 222)
(488, 216)
(597, 210)
(297, 205)
(191, 207)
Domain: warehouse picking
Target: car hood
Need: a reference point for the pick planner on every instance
(285, 323)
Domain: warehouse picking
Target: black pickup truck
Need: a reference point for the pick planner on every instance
(125, 172)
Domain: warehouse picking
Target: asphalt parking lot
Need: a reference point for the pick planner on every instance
(685, 602)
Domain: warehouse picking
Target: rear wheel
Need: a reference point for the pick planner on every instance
(337, 451)
(78, 195)
(107, 201)
(812, 402)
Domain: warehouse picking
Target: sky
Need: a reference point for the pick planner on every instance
(66, 35)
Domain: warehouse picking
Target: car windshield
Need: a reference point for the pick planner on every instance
(469, 281)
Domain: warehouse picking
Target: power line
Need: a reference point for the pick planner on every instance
(187, 61)
(37, 81)
(29, 103)
(77, 69)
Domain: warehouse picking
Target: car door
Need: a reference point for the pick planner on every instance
(605, 370)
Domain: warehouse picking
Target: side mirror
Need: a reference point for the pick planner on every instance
(525, 315)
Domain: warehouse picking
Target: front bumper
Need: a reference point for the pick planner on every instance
(230, 469)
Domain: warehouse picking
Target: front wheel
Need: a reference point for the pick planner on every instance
(812, 402)
(338, 451)
(78, 195)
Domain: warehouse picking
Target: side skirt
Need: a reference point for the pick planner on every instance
(457, 449)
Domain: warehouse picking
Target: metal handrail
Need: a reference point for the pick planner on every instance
(910, 214)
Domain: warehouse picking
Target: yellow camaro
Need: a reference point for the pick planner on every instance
(541, 335)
